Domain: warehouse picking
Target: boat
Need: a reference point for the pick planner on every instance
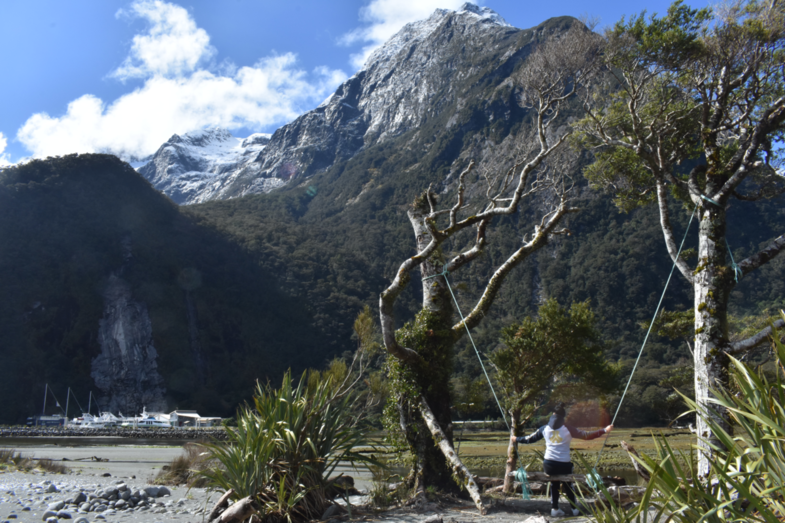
(146, 421)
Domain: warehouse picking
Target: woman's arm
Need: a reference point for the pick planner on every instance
(531, 438)
(582, 434)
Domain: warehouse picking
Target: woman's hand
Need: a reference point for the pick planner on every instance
(608, 429)
(513, 439)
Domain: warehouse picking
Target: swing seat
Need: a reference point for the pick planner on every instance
(545, 478)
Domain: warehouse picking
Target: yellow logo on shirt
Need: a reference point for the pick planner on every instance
(556, 437)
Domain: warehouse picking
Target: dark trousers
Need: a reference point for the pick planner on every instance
(557, 468)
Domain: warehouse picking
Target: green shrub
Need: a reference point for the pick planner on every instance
(285, 448)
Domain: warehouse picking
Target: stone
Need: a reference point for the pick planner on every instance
(163, 491)
(51, 488)
(333, 510)
(56, 505)
(151, 491)
(82, 520)
(64, 514)
(436, 518)
(49, 514)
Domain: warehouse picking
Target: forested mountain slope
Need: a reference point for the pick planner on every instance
(108, 287)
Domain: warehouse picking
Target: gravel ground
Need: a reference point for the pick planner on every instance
(28, 497)
(38, 497)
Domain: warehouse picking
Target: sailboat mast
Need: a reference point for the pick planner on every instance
(46, 390)
(67, 399)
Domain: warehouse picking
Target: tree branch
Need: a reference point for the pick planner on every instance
(467, 256)
(540, 239)
(763, 256)
(667, 232)
(457, 466)
(754, 341)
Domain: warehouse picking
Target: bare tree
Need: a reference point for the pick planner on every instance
(705, 88)
(539, 171)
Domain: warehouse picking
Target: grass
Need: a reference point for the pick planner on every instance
(10, 460)
(488, 450)
(186, 469)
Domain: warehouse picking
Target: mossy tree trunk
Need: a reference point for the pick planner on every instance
(432, 337)
(712, 283)
(512, 452)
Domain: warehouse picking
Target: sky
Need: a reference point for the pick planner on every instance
(124, 76)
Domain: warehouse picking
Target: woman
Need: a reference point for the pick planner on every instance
(557, 453)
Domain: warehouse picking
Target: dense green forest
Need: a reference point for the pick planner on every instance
(336, 251)
(278, 279)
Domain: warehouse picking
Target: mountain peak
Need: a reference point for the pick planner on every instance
(418, 31)
(483, 13)
(202, 137)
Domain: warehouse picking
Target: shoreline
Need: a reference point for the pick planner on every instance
(116, 435)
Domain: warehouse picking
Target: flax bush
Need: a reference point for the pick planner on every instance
(286, 446)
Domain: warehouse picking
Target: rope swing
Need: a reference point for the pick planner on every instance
(593, 478)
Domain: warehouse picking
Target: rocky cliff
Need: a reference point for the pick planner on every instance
(126, 370)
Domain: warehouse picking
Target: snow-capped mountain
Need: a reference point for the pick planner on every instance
(193, 167)
(427, 68)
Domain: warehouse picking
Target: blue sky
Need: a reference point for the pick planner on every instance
(123, 76)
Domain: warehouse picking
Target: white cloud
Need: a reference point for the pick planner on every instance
(4, 160)
(135, 124)
(177, 95)
(387, 17)
(172, 46)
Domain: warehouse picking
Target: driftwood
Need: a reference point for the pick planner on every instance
(643, 473)
(535, 487)
(240, 511)
(455, 462)
(221, 505)
(486, 482)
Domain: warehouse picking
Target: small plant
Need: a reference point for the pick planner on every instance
(185, 469)
(10, 459)
(52, 466)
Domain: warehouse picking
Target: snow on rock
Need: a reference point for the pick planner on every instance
(419, 73)
(191, 168)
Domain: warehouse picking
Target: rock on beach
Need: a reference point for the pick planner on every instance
(26, 497)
